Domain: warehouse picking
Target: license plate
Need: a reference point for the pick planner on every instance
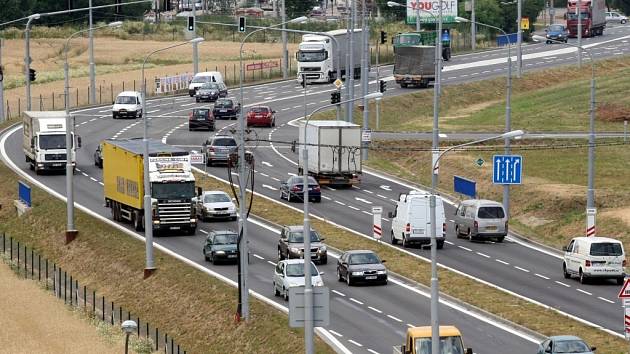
(493, 228)
(418, 231)
(231, 256)
(175, 227)
(57, 164)
(370, 277)
(223, 110)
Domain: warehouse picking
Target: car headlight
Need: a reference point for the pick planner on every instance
(220, 252)
(205, 208)
(357, 273)
(548, 36)
(322, 248)
(319, 283)
(295, 250)
(381, 272)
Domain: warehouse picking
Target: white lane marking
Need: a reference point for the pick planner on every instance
(291, 174)
(325, 197)
(584, 292)
(84, 174)
(448, 242)
(382, 196)
(272, 263)
(105, 111)
(394, 318)
(483, 254)
(101, 183)
(355, 300)
(286, 109)
(386, 220)
(367, 191)
(340, 203)
(442, 135)
(335, 333)
(259, 257)
(93, 179)
(331, 188)
(465, 248)
(373, 351)
(297, 106)
(157, 110)
(203, 231)
(264, 174)
(275, 179)
(339, 293)
(353, 207)
(355, 343)
(563, 284)
(502, 262)
(365, 212)
(386, 187)
(363, 200)
(541, 276)
(522, 269)
(267, 164)
(269, 187)
(410, 325)
(603, 299)
(375, 309)
(187, 104)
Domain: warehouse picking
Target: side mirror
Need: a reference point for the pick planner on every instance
(32, 143)
(469, 351)
(593, 349)
(112, 102)
(78, 141)
(273, 111)
(391, 215)
(321, 273)
(565, 248)
(199, 190)
(322, 238)
(383, 261)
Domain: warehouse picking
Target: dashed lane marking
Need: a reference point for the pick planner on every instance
(465, 248)
(502, 262)
(541, 276)
(355, 343)
(522, 269)
(272, 263)
(375, 309)
(563, 284)
(394, 318)
(603, 299)
(259, 257)
(584, 292)
(483, 254)
(339, 293)
(356, 301)
(335, 333)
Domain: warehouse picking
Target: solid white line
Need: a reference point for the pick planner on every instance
(365, 212)
(259, 257)
(522, 269)
(503, 262)
(465, 248)
(603, 299)
(541, 276)
(584, 292)
(335, 333)
(272, 263)
(355, 343)
(338, 293)
(563, 284)
(482, 254)
(355, 300)
(394, 318)
(375, 309)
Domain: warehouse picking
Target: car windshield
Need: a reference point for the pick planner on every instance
(311, 56)
(491, 213)
(126, 100)
(556, 28)
(225, 239)
(182, 190)
(216, 198)
(209, 86)
(224, 142)
(259, 109)
(364, 258)
(298, 237)
(448, 345)
(606, 249)
(201, 113)
(570, 346)
(224, 104)
(52, 142)
(297, 270)
(573, 15)
(201, 79)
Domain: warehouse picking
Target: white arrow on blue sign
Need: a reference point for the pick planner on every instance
(507, 169)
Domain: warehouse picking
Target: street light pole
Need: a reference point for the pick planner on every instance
(92, 66)
(365, 37)
(148, 222)
(71, 231)
(27, 58)
(285, 53)
(473, 27)
(194, 45)
(590, 189)
(519, 39)
(578, 13)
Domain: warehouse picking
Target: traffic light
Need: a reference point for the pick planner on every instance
(31, 74)
(191, 24)
(335, 97)
(241, 24)
(383, 37)
(382, 86)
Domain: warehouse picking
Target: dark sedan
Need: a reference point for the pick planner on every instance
(221, 246)
(293, 189)
(201, 118)
(557, 33)
(361, 266)
(225, 108)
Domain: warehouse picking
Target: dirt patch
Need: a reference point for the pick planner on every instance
(622, 214)
(469, 110)
(532, 220)
(611, 112)
(567, 191)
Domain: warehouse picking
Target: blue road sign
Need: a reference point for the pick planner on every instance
(464, 186)
(507, 169)
(24, 193)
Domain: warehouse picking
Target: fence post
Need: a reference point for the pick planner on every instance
(32, 265)
(120, 314)
(94, 302)
(123, 85)
(54, 275)
(41, 105)
(100, 94)
(111, 88)
(103, 308)
(134, 84)
(18, 257)
(171, 345)
(88, 91)
(84, 297)
(11, 247)
(138, 326)
(76, 292)
(25, 262)
(165, 342)
(71, 290)
(19, 106)
(113, 313)
(77, 97)
(157, 339)
(39, 267)
(65, 286)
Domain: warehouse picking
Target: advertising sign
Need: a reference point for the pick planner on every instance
(431, 7)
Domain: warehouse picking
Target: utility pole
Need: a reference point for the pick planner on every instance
(347, 81)
(285, 53)
(364, 76)
(195, 47)
(473, 28)
(1, 83)
(578, 13)
(27, 59)
(92, 67)
(352, 59)
(519, 39)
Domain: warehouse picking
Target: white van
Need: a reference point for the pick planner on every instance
(411, 220)
(202, 78)
(127, 104)
(594, 257)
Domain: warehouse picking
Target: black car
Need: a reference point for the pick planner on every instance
(201, 118)
(225, 108)
(291, 244)
(292, 189)
(98, 156)
(211, 91)
(221, 245)
(361, 266)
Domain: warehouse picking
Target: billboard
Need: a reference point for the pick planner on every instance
(429, 7)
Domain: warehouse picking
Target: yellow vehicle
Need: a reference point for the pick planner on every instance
(170, 175)
(419, 341)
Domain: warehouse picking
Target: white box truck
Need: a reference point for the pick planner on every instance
(317, 56)
(334, 152)
(44, 142)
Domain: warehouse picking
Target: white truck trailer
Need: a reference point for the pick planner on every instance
(318, 60)
(334, 152)
(44, 141)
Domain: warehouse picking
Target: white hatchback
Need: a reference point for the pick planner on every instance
(616, 17)
(289, 273)
(594, 257)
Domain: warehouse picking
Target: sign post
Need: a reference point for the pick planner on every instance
(590, 221)
(377, 230)
(624, 295)
(320, 309)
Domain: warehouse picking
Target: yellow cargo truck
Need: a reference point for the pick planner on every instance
(171, 178)
(419, 341)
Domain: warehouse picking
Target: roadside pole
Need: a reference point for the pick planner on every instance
(1, 83)
(364, 77)
(473, 27)
(195, 48)
(378, 105)
(92, 66)
(625, 126)
(578, 13)
(519, 39)
(285, 53)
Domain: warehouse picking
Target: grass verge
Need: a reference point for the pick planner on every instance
(544, 321)
(196, 309)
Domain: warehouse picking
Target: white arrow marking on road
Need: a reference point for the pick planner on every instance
(267, 164)
(363, 200)
(387, 188)
(269, 187)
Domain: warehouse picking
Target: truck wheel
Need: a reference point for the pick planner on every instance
(393, 239)
(403, 85)
(405, 244)
(138, 221)
(440, 245)
(565, 273)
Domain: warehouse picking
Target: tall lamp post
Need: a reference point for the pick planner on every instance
(148, 222)
(435, 328)
(508, 106)
(306, 231)
(243, 292)
(71, 232)
(590, 191)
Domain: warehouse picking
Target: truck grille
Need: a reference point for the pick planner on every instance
(54, 157)
(174, 213)
(312, 69)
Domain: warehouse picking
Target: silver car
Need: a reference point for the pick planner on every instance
(616, 17)
(481, 219)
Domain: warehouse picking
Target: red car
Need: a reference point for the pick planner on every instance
(261, 116)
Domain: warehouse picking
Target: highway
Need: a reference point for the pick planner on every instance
(365, 319)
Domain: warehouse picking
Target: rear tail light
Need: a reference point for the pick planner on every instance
(316, 189)
(408, 227)
(476, 225)
(587, 263)
(296, 188)
(211, 149)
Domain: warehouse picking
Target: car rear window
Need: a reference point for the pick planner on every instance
(223, 104)
(260, 109)
(606, 249)
(201, 113)
(224, 142)
(491, 213)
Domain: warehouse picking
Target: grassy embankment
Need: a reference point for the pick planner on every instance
(197, 310)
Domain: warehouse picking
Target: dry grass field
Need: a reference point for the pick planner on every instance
(33, 321)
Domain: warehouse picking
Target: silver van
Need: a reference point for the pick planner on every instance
(481, 219)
